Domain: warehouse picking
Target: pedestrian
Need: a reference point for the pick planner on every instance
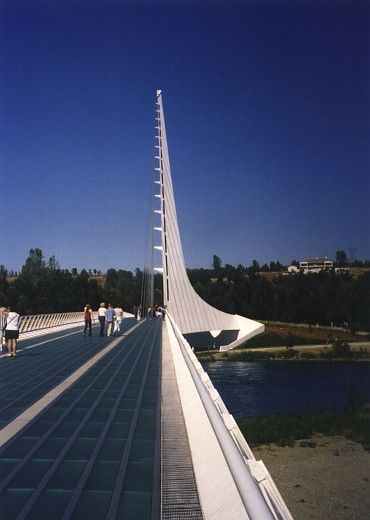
(88, 316)
(12, 331)
(117, 322)
(109, 316)
(101, 317)
(4, 348)
(3, 316)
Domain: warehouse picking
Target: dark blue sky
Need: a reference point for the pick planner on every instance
(267, 115)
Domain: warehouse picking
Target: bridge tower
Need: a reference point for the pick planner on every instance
(200, 323)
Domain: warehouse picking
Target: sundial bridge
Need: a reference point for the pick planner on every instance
(130, 427)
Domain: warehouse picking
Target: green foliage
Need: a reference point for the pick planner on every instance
(281, 430)
(290, 353)
(323, 298)
(35, 264)
(269, 339)
(123, 287)
(308, 355)
(341, 258)
(339, 350)
(290, 340)
(284, 430)
(216, 263)
(43, 288)
(4, 285)
(250, 355)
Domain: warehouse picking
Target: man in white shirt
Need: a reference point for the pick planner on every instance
(3, 310)
(12, 331)
(118, 320)
(102, 311)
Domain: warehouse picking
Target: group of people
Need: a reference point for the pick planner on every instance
(9, 323)
(109, 318)
(156, 311)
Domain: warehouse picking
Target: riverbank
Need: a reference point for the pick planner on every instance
(287, 341)
(321, 477)
(360, 351)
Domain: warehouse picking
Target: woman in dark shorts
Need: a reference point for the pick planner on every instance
(12, 331)
(88, 317)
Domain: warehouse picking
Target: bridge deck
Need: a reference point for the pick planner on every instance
(41, 364)
(94, 451)
(122, 428)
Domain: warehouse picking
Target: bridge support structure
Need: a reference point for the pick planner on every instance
(201, 324)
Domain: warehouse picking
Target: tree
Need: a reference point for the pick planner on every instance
(34, 263)
(4, 285)
(325, 298)
(254, 268)
(217, 264)
(276, 267)
(53, 264)
(341, 258)
(341, 349)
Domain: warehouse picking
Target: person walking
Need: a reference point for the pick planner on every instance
(4, 348)
(101, 317)
(109, 316)
(117, 322)
(12, 331)
(88, 316)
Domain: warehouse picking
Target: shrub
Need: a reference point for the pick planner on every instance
(288, 354)
(308, 355)
(341, 349)
(353, 423)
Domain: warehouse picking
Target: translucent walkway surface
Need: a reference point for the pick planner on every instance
(94, 451)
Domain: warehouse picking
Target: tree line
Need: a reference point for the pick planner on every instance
(43, 287)
(323, 298)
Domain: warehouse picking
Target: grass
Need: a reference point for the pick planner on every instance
(337, 350)
(272, 339)
(353, 423)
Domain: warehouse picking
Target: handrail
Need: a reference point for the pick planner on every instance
(35, 322)
(30, 323)
(257, 490)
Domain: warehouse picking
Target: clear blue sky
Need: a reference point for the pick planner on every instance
(267, 115)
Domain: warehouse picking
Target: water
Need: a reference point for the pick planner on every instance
(262, 388)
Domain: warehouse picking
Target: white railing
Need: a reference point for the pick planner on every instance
(272, 504)
(39, 322)
(46, 321)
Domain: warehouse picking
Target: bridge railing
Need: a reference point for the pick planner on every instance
(38, 322)
(46, 321)
(227, 430)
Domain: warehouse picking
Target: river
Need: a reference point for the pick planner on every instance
(262, 388)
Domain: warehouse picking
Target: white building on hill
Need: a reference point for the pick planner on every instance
(313, 265)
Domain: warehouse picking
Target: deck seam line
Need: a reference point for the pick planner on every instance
(32, 411)
(45, 341)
